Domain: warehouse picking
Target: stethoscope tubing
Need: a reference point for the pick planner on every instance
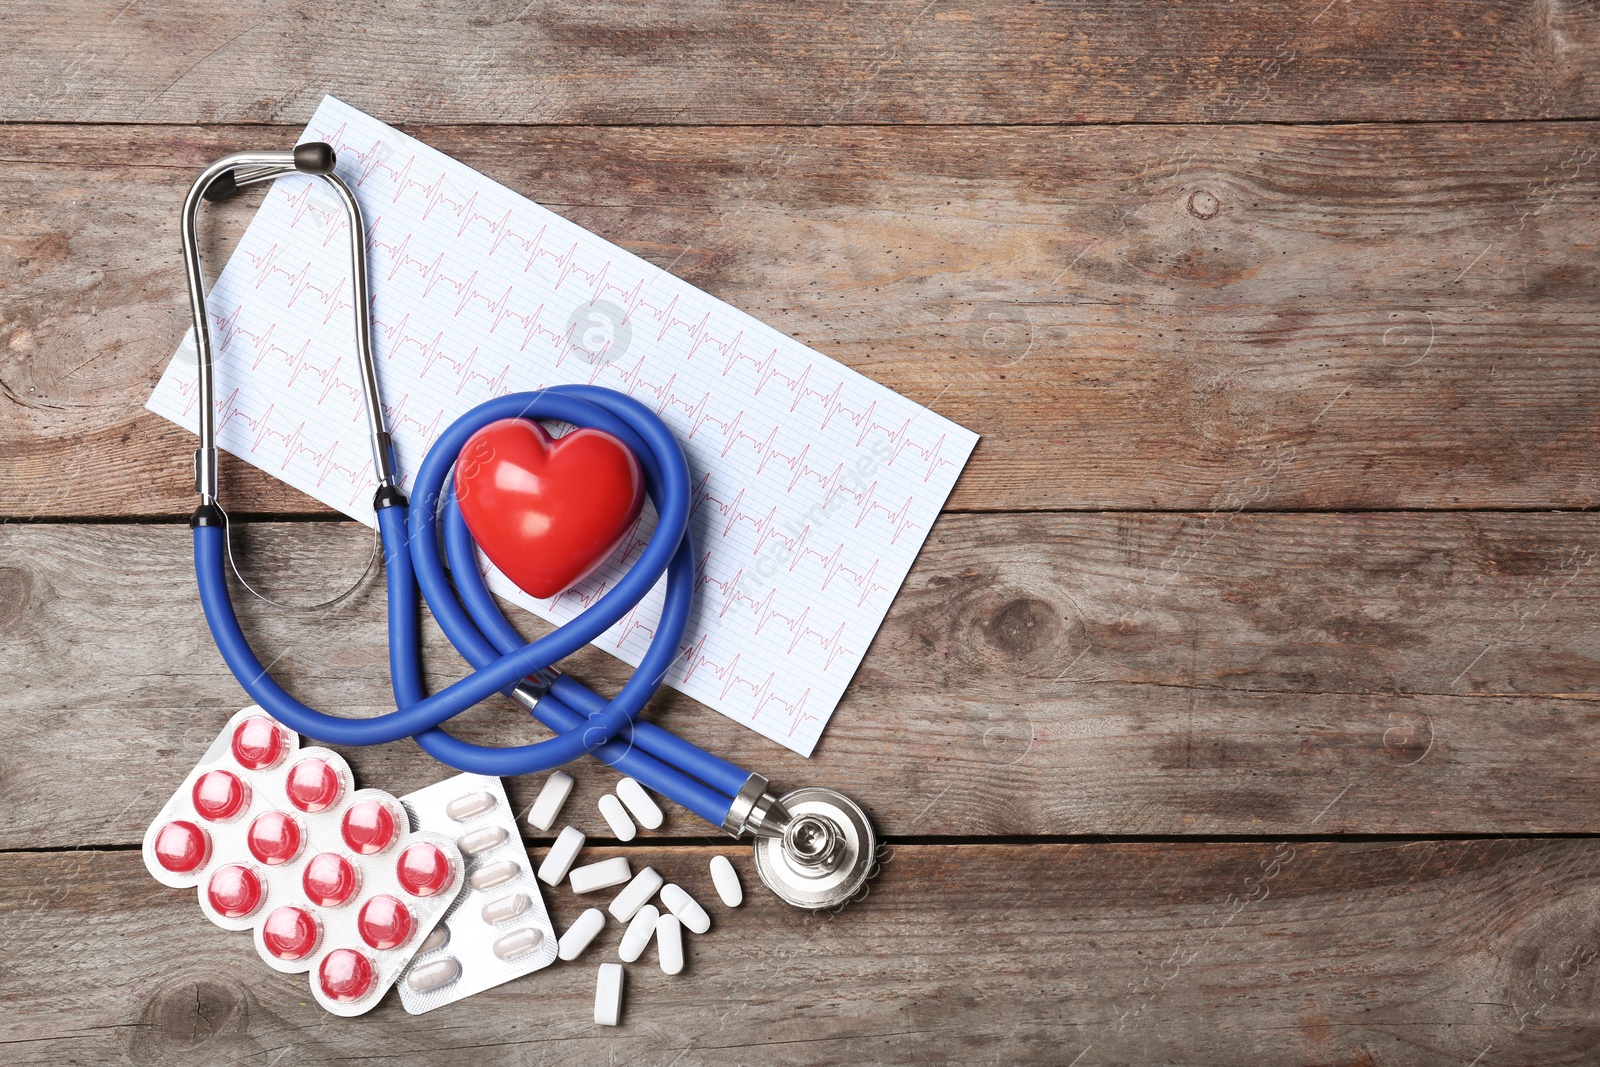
(586, 723)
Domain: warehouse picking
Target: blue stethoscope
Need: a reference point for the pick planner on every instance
(814, 847)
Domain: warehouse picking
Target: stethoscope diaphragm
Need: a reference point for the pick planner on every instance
(825, 854)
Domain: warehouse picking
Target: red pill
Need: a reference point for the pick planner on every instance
(330, 880)
(423, 870)
(258, 743)
(370, 827)
(234, 891)
(290, 933)
(384, 922)
(313, 785)
(274, 838)
(346, 975)
(182, 847)
(219, 795)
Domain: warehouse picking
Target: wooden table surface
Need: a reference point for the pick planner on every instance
(1244, 706)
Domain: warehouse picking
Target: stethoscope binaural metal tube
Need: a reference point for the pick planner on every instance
(220, 181)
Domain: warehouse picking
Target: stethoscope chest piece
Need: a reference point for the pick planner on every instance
(825, 853)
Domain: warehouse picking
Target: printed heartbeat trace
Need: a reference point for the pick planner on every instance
(814, 487)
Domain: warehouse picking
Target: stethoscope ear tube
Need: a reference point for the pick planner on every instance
(220, 181)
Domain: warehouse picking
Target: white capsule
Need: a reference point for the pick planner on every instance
(602, 875)
(465, 807)
(481, 840)
(548, 805)
(645, 811)
(519, 942)
(494, 874)
(639, 933)
(431, 976)
(635, 895)
(726, 879)
(685, 908)
(617, 818)
(507, 907)
(608, 995)
(558, 861)
(436, 939)
(580, 933)
(669, 943)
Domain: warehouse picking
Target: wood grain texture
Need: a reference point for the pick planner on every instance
(1048, 674)
(1135, 317)
(1200, 265)
(905, 61)
(1220, 954)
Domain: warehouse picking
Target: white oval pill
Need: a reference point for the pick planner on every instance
(431, 976)
(519, 942)
(465, 807)
(548, 804)
(726, 879)
(494, 874)
(602, 875)
(639, 933)
(558, 861)
(616, 817)
(436, 939)
(634, 896)
(481, 840)
(580, 933)
(608, 995)
(669, 943)
(507, 907)
(645, 811)
(685, 908)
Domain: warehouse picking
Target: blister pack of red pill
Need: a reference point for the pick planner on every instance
(331, 879)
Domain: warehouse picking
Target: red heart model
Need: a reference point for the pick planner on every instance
(547, 511)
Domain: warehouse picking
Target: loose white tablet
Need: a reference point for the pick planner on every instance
(617, 818)
(608, 995)
(669, 943)
(558, 861)
(548, 804)
(637, 893)
(685, 907)
(726, 879)
(602, 875)
(580, 933)
(639, 933)
(646, 812)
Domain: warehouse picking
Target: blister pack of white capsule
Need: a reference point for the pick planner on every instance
(498, 928)
(331, 879)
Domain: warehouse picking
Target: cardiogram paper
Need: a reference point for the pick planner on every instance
(814, 487)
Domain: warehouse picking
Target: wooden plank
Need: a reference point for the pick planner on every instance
(967, 61)
(1048, 674)
(1370, 317)
(1418, 953)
